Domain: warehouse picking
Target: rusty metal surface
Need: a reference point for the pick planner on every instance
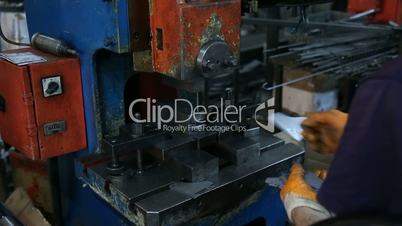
(30, 119)
(15, 88)
(140, 34)
(180, 28)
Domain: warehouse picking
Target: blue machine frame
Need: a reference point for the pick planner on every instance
(90, 27)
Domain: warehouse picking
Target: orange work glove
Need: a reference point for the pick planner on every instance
(297, 186)
(297, 193)
(321, 173)
(323, 131)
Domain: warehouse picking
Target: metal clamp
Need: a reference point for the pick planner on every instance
(215, 58)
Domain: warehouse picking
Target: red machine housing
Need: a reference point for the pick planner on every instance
(179, 28)
(389, 10)
(39, 121)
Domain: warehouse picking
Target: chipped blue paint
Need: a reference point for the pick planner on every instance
(89, 26)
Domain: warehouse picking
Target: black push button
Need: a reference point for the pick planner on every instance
(52, 88)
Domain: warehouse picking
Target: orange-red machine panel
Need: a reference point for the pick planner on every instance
(389, 10)
(17, 118)
(43, 113)
(180, 28)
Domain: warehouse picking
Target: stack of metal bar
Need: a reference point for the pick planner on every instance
(338, 54)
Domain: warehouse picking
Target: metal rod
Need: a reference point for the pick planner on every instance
(362, 15)
(198, 144)
(291, 23)
(139, 161)
(115, 158)
(322, 72)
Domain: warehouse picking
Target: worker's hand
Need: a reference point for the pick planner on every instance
(297, 186)
(297, 193)
(323, 131)
(321, 173)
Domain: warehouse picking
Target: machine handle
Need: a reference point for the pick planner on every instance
(2, 104)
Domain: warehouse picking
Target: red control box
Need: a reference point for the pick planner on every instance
(41, 104)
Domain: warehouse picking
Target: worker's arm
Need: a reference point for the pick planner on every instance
(323, 130)
(365, 175)
(300, 200)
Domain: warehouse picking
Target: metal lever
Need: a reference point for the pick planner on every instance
(359, 16)
(2, 104)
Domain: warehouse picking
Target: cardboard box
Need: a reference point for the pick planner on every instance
(319, 84)
(300, 101)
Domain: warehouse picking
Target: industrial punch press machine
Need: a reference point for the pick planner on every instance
(116, 165)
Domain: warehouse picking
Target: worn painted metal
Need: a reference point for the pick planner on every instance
(88, 26)
(100, 31)
(30, 116)
(179, 30)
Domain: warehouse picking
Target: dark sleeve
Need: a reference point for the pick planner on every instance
(366, 173)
